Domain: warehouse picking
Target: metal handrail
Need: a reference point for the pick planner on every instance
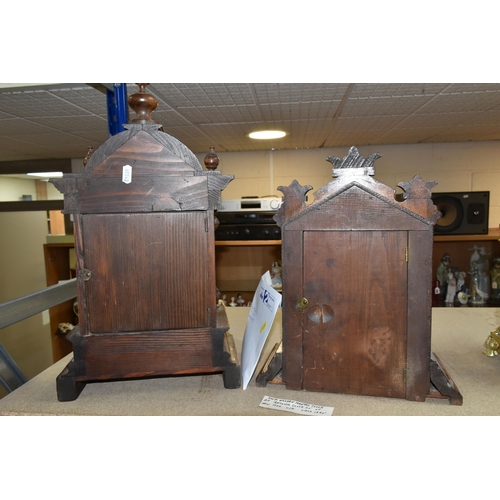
(13, 311)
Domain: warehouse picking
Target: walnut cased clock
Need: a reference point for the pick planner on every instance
(143, 212)
(356, 284)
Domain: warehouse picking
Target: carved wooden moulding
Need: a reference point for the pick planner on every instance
(357, 273)
(144, 220)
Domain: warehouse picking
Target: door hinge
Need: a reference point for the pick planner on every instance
(406, 254)
(404, 375)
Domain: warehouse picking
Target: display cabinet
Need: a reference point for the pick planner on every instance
(240, 265)
(460, 248)
(58, 268)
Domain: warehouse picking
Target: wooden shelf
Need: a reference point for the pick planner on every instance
(239, 265)
(460, 249)
(249, 243)
(493, 234)
(57, 268)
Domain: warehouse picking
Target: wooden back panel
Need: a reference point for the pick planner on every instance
(355, 324)
(147, 272)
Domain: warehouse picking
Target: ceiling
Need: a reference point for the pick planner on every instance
(47, 121)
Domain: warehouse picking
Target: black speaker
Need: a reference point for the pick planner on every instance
(462, 213)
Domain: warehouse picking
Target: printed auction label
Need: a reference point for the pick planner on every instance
(295, 407)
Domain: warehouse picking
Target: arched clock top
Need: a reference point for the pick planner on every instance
(142, 169)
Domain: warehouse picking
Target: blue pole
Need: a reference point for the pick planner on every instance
(117, 108)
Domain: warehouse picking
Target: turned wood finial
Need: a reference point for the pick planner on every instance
(143, 104)
(90, 150)
(211, 160)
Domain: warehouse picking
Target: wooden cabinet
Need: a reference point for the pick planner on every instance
(356, 284)
(58, 261)
(461, 247)
(240, 265)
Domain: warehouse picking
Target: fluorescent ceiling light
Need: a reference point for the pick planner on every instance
(267, 134)
(46, 174)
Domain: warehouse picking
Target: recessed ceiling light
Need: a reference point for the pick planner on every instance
(267, 134)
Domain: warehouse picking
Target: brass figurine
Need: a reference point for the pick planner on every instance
(492, 343)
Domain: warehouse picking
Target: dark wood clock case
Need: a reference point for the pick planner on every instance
(357, 265)
(144, 227)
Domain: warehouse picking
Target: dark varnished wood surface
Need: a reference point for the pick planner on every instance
(365, 269)
(145, 256)
(137, 284)
(355, 324)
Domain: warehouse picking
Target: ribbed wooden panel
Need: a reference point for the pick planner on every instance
(147, 272)
(147, 354)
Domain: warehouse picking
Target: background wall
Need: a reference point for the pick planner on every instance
(13, 188)
(22, 271)
(465, 166)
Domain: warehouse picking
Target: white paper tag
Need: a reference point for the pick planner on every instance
(265, 303)
(127, 174)
(296, 407)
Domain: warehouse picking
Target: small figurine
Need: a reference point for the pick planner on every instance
(475, 256)
(442, 273)
(476, 296)
(450, 288)
(495, 280)
(460, 275)
(492, 343)
(276, 279)
(233, 303)
(483, 264)
(480, 279)
(240, 301)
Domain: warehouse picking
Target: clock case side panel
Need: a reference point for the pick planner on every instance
(418, 374)
(292, 266)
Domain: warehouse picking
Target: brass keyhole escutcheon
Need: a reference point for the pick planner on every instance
(302, 303)
(84, 274)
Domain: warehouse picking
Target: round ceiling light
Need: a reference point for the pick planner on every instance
(46, 174)
(267, 134)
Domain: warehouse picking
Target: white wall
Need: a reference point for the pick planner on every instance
(465, 166)
(13, 189)
(22, 271)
